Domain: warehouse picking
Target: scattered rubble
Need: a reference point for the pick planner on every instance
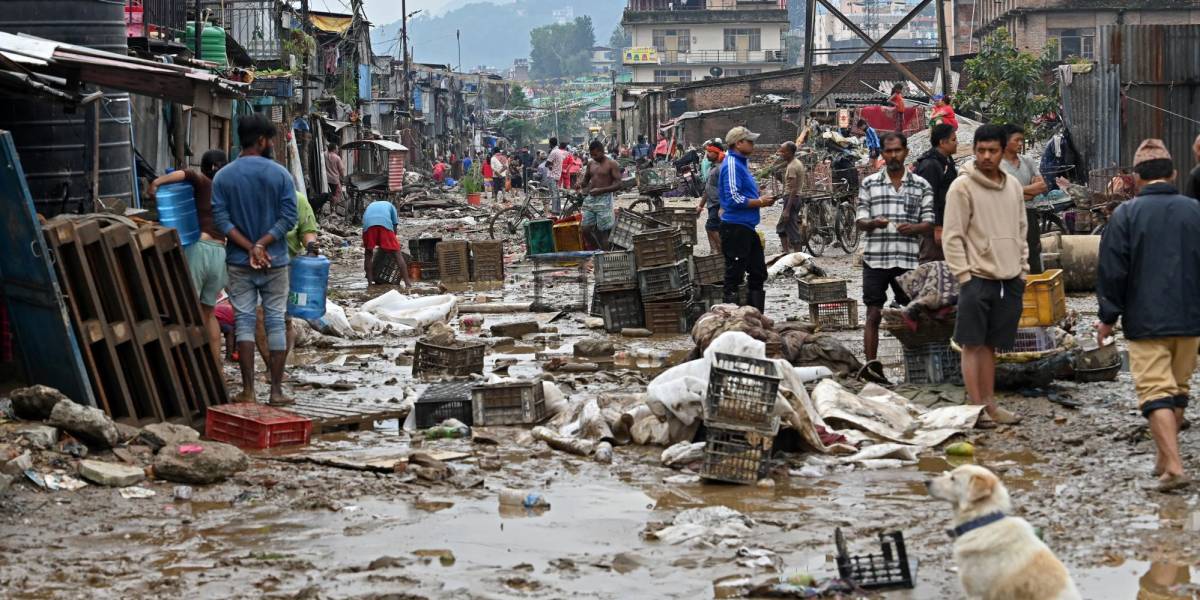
(110, 474)
(34, 403)
(87, 423)
(199, 462)
(158, 435)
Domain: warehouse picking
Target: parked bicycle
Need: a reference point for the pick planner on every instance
(509, 223)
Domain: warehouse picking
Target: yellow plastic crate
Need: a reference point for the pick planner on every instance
(1045, 302)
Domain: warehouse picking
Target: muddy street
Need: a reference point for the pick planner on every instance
(289, 527)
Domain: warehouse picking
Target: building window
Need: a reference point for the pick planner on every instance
(736, 72)
(672, 75)
(1079, 43)
(743, 39)
(673, 40)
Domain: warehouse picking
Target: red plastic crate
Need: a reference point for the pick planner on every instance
(257, 426)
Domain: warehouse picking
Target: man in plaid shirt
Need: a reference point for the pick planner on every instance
(895, 208)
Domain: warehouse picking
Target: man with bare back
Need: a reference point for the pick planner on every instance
(603, 177)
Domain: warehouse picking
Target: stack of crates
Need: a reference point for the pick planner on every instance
(628, 224)
(739, 418)
(828, 304)
(615, 295)
(683, 217)
(664, 277)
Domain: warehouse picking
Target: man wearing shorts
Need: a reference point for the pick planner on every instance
(984, 242)
(895, 208)
(603, 177)
(380, 223)
(206, 258)
(1149, 257)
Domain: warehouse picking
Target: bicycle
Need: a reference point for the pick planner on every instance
(509, 224)
(817, 223)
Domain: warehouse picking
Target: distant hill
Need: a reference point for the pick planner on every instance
(492, 34)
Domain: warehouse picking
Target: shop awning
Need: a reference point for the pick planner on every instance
(331, 23)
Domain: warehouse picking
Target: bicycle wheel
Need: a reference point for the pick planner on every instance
(814, 216)
(509, 225)
(847, 228)
(644, 204)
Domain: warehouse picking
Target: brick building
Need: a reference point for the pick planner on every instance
(1074, 24)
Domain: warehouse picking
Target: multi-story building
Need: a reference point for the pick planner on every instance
(690, 40)
(1074, 24)
(602, 59)
(836, 43)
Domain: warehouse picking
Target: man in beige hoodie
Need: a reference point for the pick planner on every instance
(985, 247)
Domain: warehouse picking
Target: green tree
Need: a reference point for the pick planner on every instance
(1006, 85)
(517, 98)
(562, 50)
(618, 41)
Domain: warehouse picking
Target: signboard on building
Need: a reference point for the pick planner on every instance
(640, 56)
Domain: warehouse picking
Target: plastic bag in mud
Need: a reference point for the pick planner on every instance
(417, 311)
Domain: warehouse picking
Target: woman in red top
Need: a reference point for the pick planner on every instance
(897, 101)
(943, 112)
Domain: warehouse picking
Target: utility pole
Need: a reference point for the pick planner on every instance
(946, 42)
(199, 27)
(554, 98)
(404, 49)
(304, 60)
(458, 40)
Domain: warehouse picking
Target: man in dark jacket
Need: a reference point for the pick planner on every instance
(937, 167)
(1149, 257)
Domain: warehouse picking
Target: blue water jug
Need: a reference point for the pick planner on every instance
(177, 208)
(308, 280)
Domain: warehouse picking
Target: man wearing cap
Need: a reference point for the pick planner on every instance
(1149, 257)
(714, 153)
(740, 203)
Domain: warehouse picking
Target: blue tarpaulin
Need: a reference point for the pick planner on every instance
(364, 82)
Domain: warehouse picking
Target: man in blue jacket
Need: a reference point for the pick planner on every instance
(254, 205)
(740, 203)
(1149, 257)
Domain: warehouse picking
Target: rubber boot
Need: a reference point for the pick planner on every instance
(757, 299)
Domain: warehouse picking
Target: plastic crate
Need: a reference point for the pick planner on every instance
(614, 271)
(929, 331)
(822, 290)
(683, 217)
(932, 363)
(441, 401)
(257, 426)
(278, 87)
(620, 310)
(668, 282)
(454, 261)
(628, 224)
(709, 296)
(1045, 300)
(742, 393)
(834, 314)
(658, 247)
(888, 569)
(1032, 339)
(452, 361)
(487, 260)
(668, 317)
(539, 236)
(568, 237)
(656, 179)
(735, 455)
(424, 250)
(386, 269)
(515, 403)
(709, 270)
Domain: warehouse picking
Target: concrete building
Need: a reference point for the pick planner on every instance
(603, 59)
(691, 40)
(837, 44)
(1074, 24)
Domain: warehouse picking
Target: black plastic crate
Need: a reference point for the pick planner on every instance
(514, 403)
(709, 270)
(932, 363)
(668, 282)
(459, 360)
(424, 250)
(742, 392)
(614, 271)
(735, 455)
(620, 309)
(822, 290)
(658, 247)
(669, 317)
(629, 223)
(386, 269)
(888, 569)
(683, 217)
(711, 295)
(834, 314)
(441, 401)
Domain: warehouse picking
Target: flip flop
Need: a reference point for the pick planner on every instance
(1168, 485)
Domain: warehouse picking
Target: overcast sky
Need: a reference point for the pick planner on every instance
(382, 12)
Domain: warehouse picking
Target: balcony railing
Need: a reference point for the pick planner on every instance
(716, 57)
(255, 24)
(145, 17)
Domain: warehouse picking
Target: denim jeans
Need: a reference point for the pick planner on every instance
(246, 287)
(555, 198)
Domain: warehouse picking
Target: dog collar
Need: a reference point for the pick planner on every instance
(974, 524)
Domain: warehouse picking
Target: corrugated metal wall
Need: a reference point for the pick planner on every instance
(1145, 84)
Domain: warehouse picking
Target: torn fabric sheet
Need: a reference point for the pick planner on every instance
(885, 414)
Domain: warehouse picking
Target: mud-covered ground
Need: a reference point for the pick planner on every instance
(296, 530)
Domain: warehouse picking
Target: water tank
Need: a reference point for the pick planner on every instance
(55, 141)
(176, 203)
(307, 281)
(212, 43)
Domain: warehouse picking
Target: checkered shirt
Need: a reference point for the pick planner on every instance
(887, 248)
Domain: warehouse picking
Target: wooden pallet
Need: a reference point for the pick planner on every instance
(328, 414)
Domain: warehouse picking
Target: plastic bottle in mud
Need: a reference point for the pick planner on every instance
(512, 497)
(604, 453)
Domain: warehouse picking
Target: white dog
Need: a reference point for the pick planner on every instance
(999, 557)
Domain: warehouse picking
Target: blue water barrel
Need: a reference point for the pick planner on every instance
(307, 281)
(177, 208)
